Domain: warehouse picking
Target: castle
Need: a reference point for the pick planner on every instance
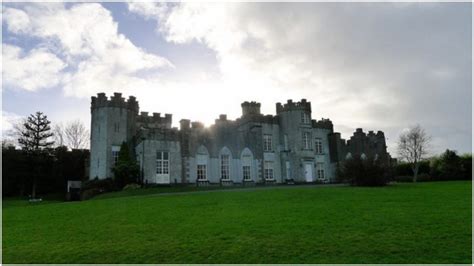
(255, 148)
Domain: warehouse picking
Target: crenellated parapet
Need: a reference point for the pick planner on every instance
(116, 100)
(324, 123)
(155, 120)
(250, 108)
(292, 106)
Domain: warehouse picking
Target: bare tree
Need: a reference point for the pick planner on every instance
(413, 147)
(76, 135)
(58, 130)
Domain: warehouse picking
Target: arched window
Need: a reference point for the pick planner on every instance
(246, 158)
(225, 157)
(363, 156)
(202, 158)
(348, 156)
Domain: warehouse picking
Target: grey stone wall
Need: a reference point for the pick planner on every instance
(146, 151)
(117, 120)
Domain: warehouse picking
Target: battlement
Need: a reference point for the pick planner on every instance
(197, 125)
(324, 123)
(115, 101)
(291, 106)
(155, 120)
(250, 108)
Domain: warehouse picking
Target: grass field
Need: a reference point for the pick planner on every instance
(402, 223)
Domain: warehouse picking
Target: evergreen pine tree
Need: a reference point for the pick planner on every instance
(35, 134)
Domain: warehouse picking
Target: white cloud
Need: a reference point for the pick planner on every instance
(32, 71)
(8, 133)
(375, 65)
(18, 20)
(87, 37)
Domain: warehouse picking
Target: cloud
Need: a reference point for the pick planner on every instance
(86, 37)
(30, 71)
(376, 65)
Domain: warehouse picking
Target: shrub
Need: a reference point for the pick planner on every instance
(404, 168)
(126, 169)
(449, 166)
(364, 172)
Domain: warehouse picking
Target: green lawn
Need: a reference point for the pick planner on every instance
(403, 223)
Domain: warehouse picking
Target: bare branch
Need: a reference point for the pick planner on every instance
(413, 147)
(76, 135)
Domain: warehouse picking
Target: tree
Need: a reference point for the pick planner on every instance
(364, 172)
(58, 130)
(126, 170)
(76, 135)
(34, 135)
(413, 147)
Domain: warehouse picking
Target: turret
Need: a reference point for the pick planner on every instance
(250, 108)
(112, 123)
(184, 124)
(303, 105)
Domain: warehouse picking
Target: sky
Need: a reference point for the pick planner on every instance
(376, 66)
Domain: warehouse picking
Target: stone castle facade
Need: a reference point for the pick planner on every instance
(255, 148)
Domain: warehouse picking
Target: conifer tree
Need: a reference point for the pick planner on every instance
(126, 169)
(34, 138)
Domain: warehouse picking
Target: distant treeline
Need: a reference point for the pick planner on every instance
(52, 167)
(447, 166)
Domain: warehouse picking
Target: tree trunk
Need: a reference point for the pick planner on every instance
(415, 173)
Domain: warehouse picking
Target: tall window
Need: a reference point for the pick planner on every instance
(306, 140)
(267, 142)
(268, 170)
(319, 146)
(201, 172)
(305, 118)
(246, 172)
(162, 162)
(115, 153)
(225, 171)
(285, 142)
(320, 170)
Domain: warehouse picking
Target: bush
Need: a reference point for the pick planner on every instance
(126, 170)
(449, 166)
(404, 168)
(367, 172)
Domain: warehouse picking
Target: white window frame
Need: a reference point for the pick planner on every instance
(246, 172)
(201, 172)
(306, 140)
(268, 170)
(319, 146)
(267, 142)
(225, 167)
(162, 163)
(320, 170)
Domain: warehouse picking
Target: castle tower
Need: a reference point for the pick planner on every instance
(295, 124)
(250, 108)
(112, 122)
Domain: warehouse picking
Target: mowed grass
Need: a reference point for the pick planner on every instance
(402, 223)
